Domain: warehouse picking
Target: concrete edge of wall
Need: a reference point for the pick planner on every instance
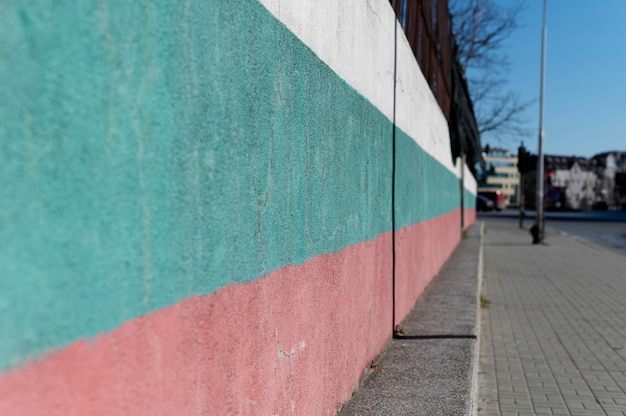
(408, 376)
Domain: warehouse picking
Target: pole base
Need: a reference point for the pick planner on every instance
(534, 231)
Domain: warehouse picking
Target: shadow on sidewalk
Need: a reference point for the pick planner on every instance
(444, 336)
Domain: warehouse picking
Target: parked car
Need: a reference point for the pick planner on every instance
(496, 196)
(484, 204)
(599, 206)
(556, 199)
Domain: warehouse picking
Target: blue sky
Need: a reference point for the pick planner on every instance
(585, 98)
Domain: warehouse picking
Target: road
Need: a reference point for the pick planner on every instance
(604, 228)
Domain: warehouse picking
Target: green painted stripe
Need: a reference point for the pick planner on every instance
(425, 189)
(150, 153)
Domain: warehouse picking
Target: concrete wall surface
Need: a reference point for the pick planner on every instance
(196, 209)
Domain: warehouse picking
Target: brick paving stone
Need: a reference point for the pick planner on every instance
(553, 339)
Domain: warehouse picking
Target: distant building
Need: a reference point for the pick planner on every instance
(608, 166)
(501, 174)
(571, 182)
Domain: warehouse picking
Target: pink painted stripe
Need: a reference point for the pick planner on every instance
(294, 342)
(421, 250)
(470, 217)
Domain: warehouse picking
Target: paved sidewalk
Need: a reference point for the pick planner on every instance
(553, 339)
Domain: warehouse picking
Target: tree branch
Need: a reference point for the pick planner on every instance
(481, 27)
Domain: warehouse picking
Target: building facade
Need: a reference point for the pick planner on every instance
(501, 174)
(609, 166)
(570, 182)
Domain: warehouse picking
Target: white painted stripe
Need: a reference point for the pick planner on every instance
(353, 37)
(356, 39)
(417, 111)
(470, 182)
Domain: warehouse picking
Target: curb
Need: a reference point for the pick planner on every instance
(476, 356)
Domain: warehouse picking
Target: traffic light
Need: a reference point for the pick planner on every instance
(526, 162)
(549, 179)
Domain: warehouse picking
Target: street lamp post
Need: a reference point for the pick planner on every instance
(540, 221)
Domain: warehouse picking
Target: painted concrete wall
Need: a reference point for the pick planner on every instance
(196, 203)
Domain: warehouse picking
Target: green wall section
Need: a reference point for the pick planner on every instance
(425, 189)
(151, 151)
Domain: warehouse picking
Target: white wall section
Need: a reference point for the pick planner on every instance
(356, 39)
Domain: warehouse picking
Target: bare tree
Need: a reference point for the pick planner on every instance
(481, 27)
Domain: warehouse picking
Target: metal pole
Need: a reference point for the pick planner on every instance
(521, 168)
(540, 219)
(462, 191)
(521, 201)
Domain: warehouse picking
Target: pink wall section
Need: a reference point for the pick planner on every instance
(421, 250)
(294, 342)
(470, 217)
